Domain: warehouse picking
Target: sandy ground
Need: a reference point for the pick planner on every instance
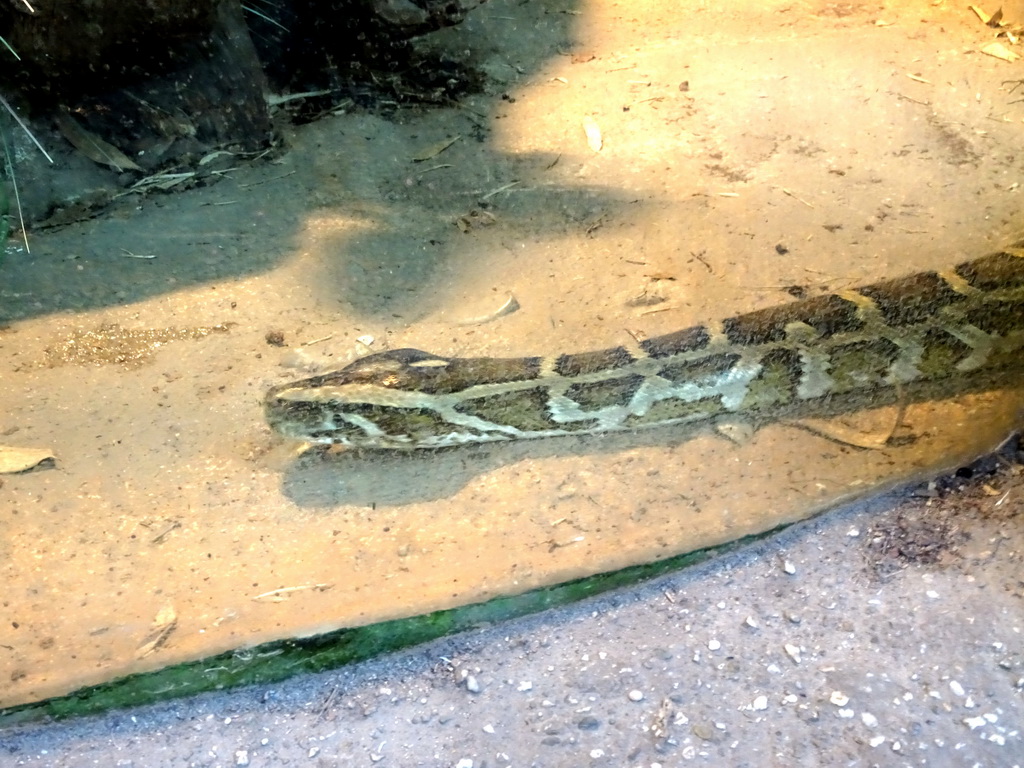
(744, 152)
(885, 634)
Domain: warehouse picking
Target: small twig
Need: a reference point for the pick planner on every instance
(275, 594)
(7, 45)
(435, 168)
(263, 16)
(499, 190)
(24, 127)
(317, 341)
(9, 165)
(656, 311)
(265, 181)
(916, 101)
(173, 526)
(327, 703)
(276, 99)
(700, 257)
(799, 200)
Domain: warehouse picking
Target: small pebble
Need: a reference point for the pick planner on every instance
(788, 567)
(524, 685)
(839, 698)
(488, 728)
(956, 688)
(241, 757)
(714, 645)
(472, 685)
(793, 651)
(761, 702)
(868, 719)
(636, 695)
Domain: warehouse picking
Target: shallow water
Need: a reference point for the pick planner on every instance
(174, 525)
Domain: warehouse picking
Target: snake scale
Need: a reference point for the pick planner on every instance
(932, 333)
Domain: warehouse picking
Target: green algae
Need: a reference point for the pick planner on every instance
(281, 659)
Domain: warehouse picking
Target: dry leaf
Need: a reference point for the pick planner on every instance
(468, 220)
(511, 305)
(164, 623)
(436, 150)
(980, 14)
(19, 459)
(594, 140)
(163, 181)
(214, 155)
(1000, 51)
(92, 146)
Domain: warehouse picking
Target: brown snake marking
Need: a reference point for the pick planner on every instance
(931, 333)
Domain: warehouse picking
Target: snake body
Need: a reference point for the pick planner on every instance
(928, 333)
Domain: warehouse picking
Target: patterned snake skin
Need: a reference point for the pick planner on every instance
(923, 336)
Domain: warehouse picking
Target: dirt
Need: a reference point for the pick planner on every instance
(746, 153)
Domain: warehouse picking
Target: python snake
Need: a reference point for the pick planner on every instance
(930, 333)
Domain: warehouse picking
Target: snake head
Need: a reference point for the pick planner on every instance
(374, 401)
